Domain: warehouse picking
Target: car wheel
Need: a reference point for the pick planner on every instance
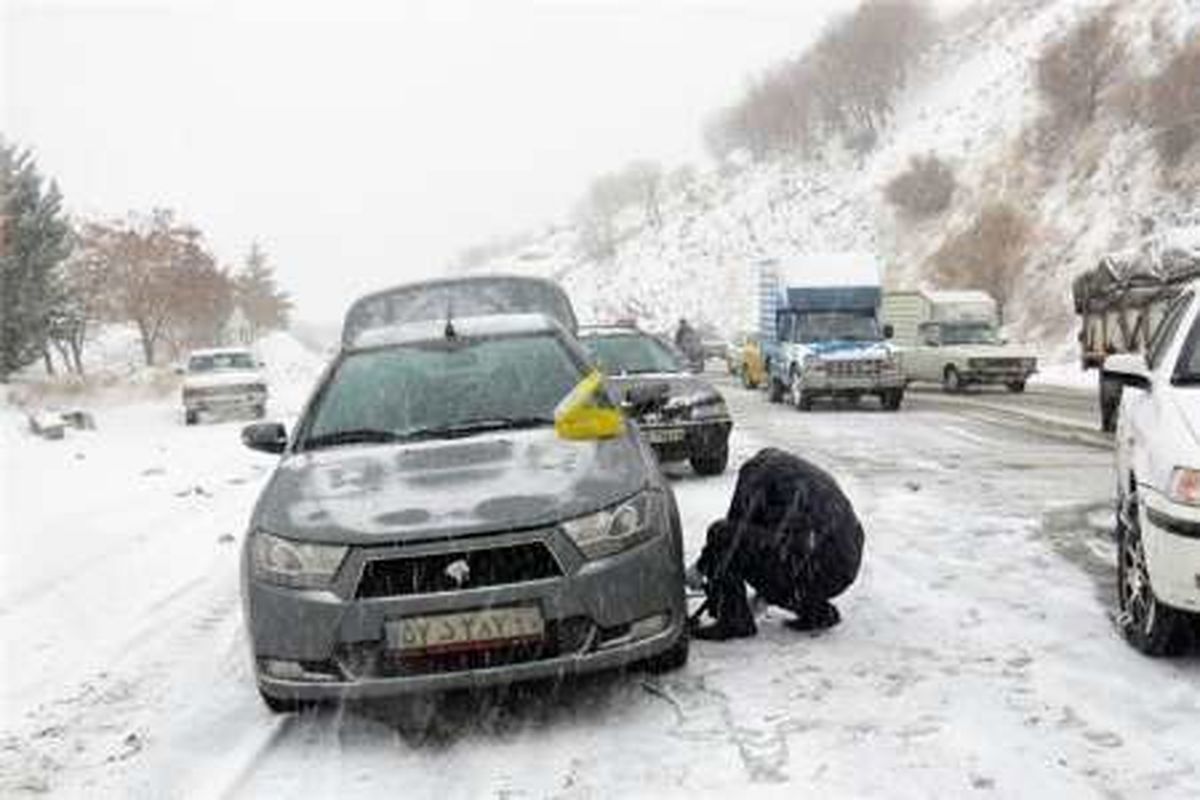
(801, 399)
(670, 660)
(891, 400)
(1016, 387)
(951, 381)
(1151, 627)
(711, 463)
(191, 417)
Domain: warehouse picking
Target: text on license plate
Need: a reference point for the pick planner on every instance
(664, 435)
(465, 630)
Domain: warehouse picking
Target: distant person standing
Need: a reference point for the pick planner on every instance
(688, 342)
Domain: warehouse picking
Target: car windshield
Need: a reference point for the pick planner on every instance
(828, 326)
(218, 362)
(443, 388)
(631, 354)
(969, 333)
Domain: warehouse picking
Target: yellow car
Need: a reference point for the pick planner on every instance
(745, 360)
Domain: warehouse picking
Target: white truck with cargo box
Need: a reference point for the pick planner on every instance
(953, 338)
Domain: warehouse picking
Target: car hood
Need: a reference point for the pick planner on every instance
(209, 380)
(393, 493)
(681, 388)
(848, 350)
(988, 351)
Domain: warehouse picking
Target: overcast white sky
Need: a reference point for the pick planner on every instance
(365, 143)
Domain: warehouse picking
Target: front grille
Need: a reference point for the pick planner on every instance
(474, 569)
(995, 363)
(853, 369)
(373, 660)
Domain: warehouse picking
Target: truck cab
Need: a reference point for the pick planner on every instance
(822, 337)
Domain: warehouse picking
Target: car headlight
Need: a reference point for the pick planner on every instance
(713, 410)
(1185, 486)
(615, 529)
(290, 563)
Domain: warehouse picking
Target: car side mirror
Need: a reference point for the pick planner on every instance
(266, 437)
(580, 417)
(1127, 369)
(179, 370)
(889, 331)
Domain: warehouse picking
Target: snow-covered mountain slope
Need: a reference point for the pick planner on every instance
(973, 103)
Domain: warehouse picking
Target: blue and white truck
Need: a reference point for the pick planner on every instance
(821, 333)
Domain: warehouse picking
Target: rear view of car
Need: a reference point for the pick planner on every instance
(223, 380)
(460, 506)
(681, 415)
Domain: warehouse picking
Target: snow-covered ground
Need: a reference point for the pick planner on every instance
(977, 653)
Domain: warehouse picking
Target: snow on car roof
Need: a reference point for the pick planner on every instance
(959, 296)
(220, 351)
(466, 327)
(609, 330)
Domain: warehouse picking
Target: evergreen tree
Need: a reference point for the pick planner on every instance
(266, 306)
(34, 241)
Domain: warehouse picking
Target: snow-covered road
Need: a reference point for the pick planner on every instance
(977, 653)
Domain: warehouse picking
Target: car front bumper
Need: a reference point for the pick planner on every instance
(820, 383)
(997, 375)
(224, 401)
(600, 614)
(1171, 538)
(682, 440)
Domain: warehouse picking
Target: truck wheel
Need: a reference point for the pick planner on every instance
(1152, 628)
(1110, 404)
(1016, 387)
(952, 382)
(669, 660)
(190, 417)
(712, 462)
(891, 399)
(801, 399)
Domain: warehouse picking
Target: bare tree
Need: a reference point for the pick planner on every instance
(1073, 71)
(989, 254)
(1173, 104)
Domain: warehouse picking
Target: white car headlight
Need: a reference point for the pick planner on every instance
(615, 529)
(300, 564)
(1185, 486)
(714, 410)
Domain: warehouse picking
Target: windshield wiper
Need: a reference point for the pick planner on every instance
(471, 426)
(350, 436)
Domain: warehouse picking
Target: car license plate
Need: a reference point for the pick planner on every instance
(664, 435)
(469, 630)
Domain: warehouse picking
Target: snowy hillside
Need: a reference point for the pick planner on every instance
(973, 103)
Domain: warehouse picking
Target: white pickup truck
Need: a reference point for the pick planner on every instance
(223, 379)
(952, 338)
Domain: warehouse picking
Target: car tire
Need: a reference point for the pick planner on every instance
(670, 660)
(892, 399)
(711, 463)
(952, 382)
(775, 390)
(1153, 628)
(190, 417)
(1016, 387)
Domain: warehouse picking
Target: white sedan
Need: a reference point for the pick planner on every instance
(1158, 482)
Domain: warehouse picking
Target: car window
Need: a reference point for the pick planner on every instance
(220, 361)
(1187, 368)
(631, 354)
(1165, 332)
(403, 389)
(822, 326)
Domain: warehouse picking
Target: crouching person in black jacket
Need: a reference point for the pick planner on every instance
(790, 534)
